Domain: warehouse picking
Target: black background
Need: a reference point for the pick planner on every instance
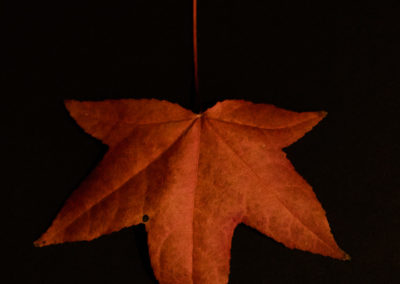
(302, 56)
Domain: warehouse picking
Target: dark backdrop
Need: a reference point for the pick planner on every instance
(301, 56)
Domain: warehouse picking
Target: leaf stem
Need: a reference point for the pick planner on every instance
(195, 51)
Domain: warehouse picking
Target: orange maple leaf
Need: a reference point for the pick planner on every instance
(192, 178)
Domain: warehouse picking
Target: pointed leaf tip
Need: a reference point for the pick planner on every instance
(323, 113)
(39, 243)
(67, 103)
(346, 257)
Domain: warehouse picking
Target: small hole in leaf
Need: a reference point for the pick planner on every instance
(145, 218)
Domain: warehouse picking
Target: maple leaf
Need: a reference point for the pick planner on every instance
(192, 178)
